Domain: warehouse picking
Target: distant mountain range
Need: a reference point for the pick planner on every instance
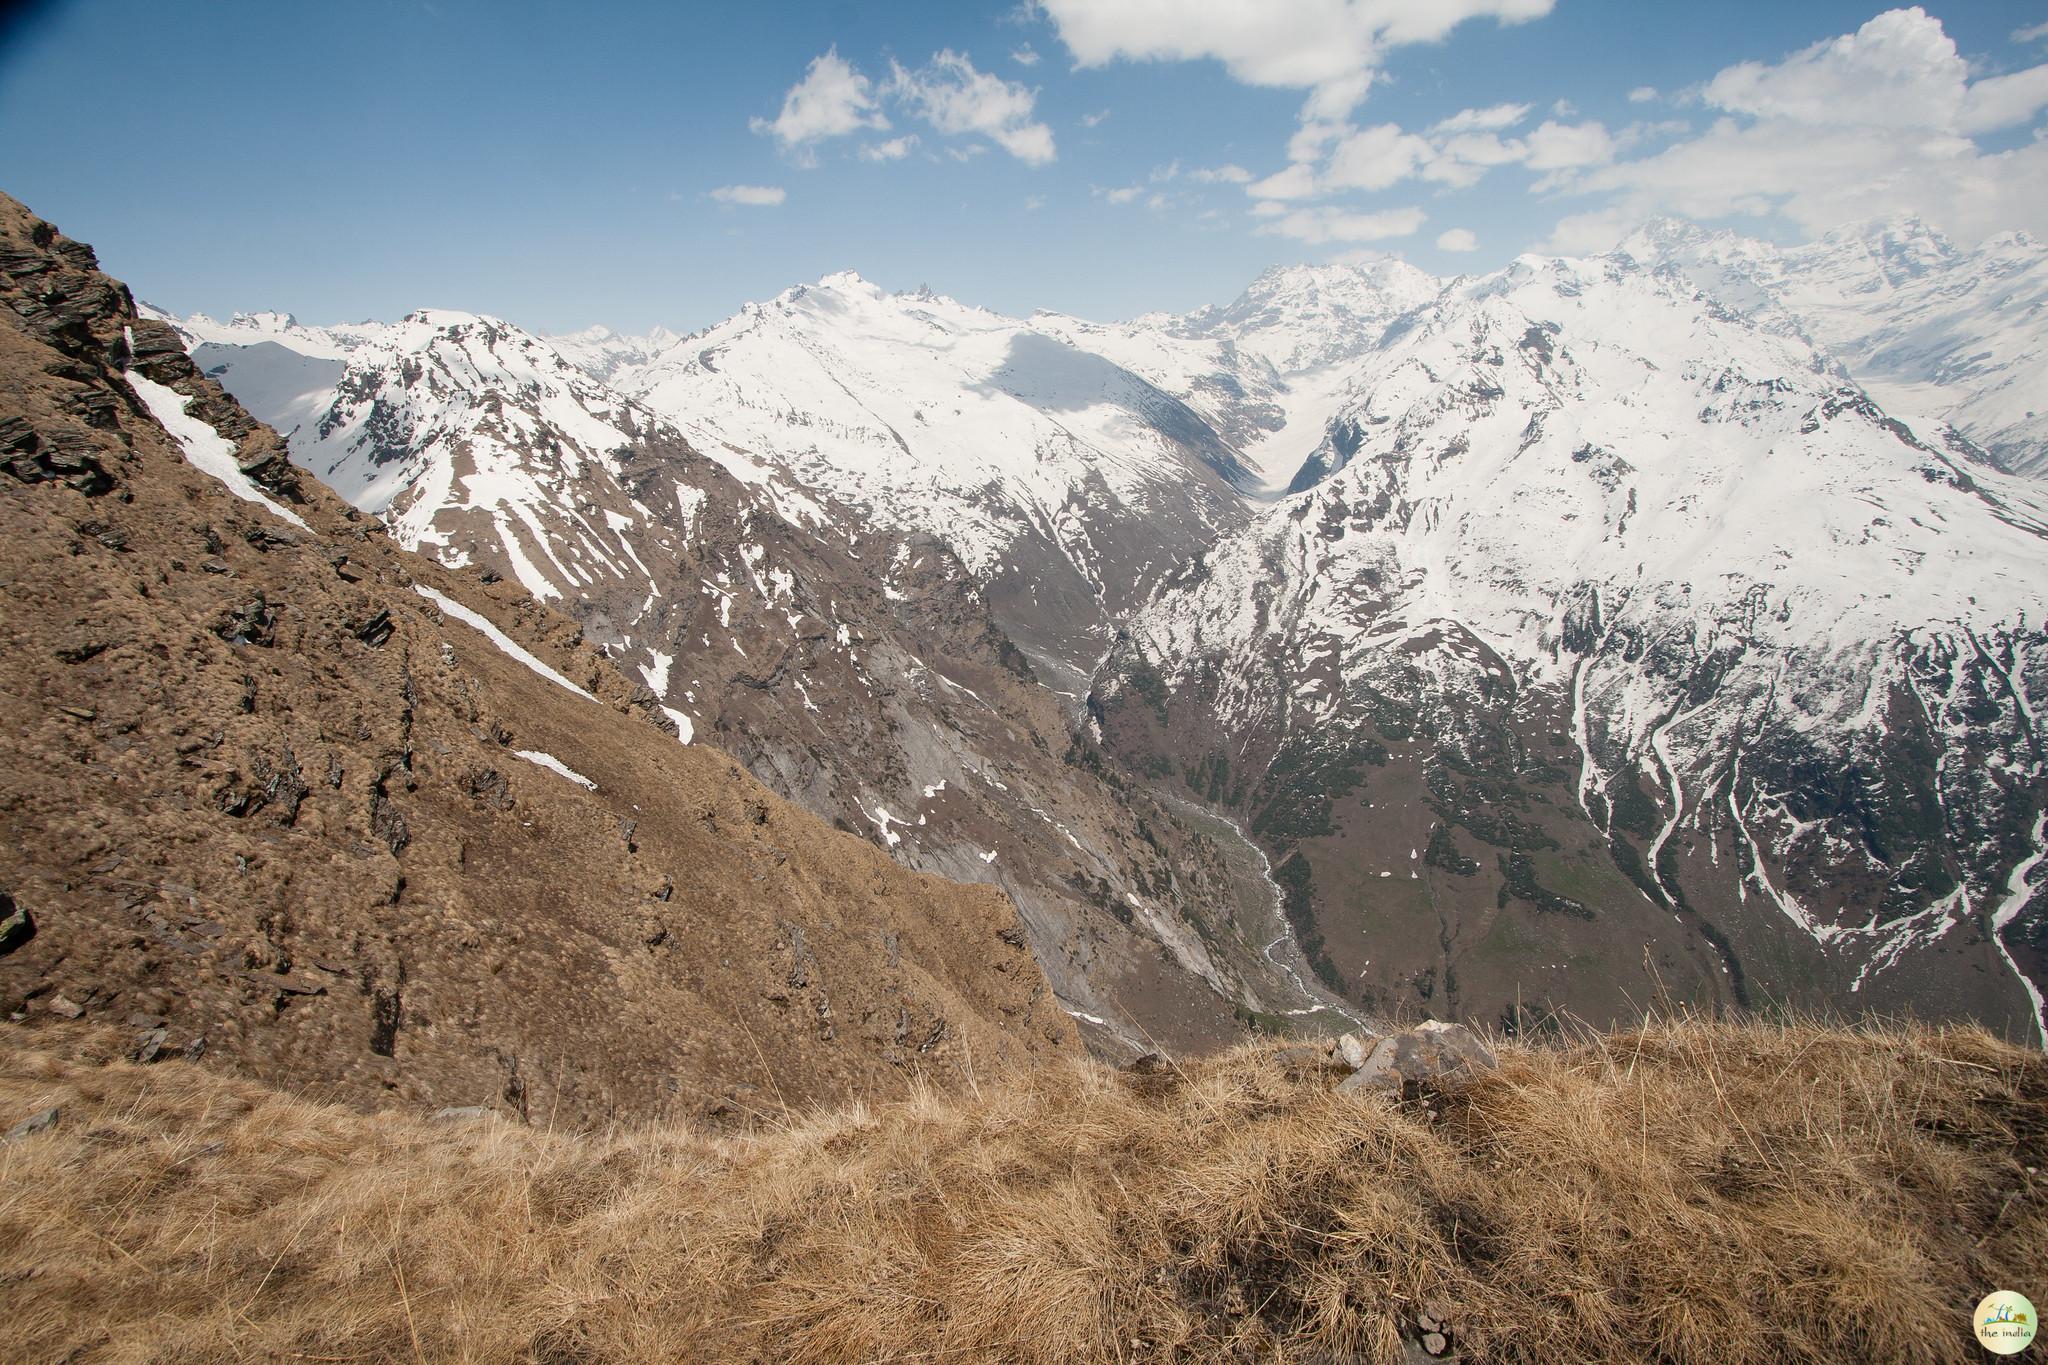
(1662, 622)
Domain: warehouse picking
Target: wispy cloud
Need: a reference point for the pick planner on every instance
(752, 196)
(1329, 224)
(954, 98)
(894, 149)
(1334, 158)
(1491, 119)
(835, 99)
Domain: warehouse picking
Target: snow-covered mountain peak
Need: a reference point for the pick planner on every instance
(601, 352)
(929, 413)
(1937, 333)
(1574, 505)
(1302, 317)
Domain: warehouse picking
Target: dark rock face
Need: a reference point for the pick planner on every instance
(17, 926)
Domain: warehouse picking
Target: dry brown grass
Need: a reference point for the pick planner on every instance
(1687, 1192)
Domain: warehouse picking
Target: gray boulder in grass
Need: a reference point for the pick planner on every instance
(1433, 1053)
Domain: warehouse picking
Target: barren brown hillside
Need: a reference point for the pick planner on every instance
(265, 803)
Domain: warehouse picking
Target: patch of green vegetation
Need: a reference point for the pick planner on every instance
(1294, 879)
(1101, 895)
(1259, 1021)
(1518, 871)
(1085, 754)
(1508, 939)
(1210, 776)
(1306, 780)
(1486, 806)
(1633, 811)
(1443, 853)
(1144, 682)
(1588, 879)
(1630, 864)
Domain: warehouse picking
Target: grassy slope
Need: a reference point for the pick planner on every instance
(1690, 1191)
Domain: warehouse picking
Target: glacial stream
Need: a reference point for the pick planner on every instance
(1259, 915)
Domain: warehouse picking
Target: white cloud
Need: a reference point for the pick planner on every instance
(2003, 101)
(1491, 119)
(1482, 149)
(1331, 48)
(1092, 120)
(1296, 182)
(831, 100)
(2033, 33)
(1642, 94)
(1033, 202)
(895, 149)
(1563, 146)
(948, 93)
(1126, 195)
(1328, 224)
(1374, 158)
(1309, 140)
(754, 196)
(1875, 123)
(1220, 175)
(1458, 239)
(1900, 70)
(1024, 56)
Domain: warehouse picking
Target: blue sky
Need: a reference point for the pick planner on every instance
(562, 164)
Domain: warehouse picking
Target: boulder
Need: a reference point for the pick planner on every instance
(41, 1122)
(1433, 1053)
(460, 1113)
(1354, 1048)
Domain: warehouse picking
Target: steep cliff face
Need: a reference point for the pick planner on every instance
(1626, 647)
(275, 792)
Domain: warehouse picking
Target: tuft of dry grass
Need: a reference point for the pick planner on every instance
(1687, 1191)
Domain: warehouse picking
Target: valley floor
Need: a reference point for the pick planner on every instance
(1685, 1192)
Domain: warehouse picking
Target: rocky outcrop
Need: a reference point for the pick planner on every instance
(277, 793)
